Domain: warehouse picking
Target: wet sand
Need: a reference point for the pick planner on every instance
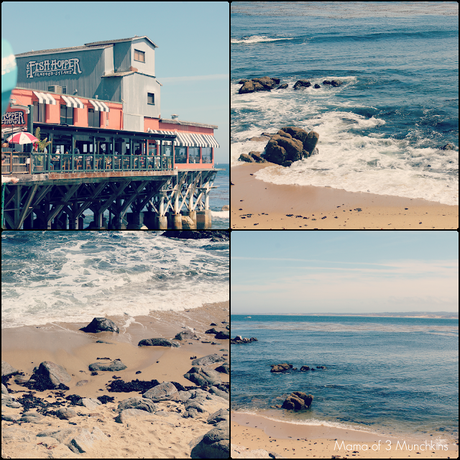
(165, 433)
(259, 205)
(254, 436)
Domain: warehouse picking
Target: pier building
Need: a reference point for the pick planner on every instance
(109, 151)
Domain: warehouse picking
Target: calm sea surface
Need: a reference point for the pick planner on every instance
(74, 276)
(381, 131)
(386, 375)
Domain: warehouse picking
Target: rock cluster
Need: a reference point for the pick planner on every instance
(281, 367)
(297, 401)
(269, 83)
(214, 235)
(259, 84)
(290, 144)
(238, 339)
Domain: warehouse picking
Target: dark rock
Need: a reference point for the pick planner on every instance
(224, 369)
(220, 235)
(163, 392)
(281, 367)
(267, 82)
(203, 376)
(211, 331)
(332, 82)
(120, 386)
(283, 86)
(214, 444)
(100, 325)
(222, 335)
(302, 84)
(257, 157)
(304, 368)
(104, 399)
(238, 339)
(317, 86)
(258, 84)
(158, 342)
(246, 158)
(297, 401)
(48, 376)
(243, 81)
(113, 366)
(321, 367)
(448, 146)
(65, 413)
(248, 87)
(310, 142)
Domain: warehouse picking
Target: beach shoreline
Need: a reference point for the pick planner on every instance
(170, 431)
(256, 204)
(257, 436)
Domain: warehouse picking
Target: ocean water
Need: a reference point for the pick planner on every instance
(219, 197)
(384, 374)
(73, 276)
(381, 131)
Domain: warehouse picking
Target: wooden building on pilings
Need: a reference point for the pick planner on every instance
(146, 189)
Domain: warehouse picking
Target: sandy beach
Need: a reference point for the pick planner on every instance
(253, 436)
(259, 205)
(102, 430)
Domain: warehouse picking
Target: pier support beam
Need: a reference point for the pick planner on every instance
(203, 219)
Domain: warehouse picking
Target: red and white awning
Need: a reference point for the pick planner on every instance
(99, 105)
(190, 139)
(73, 102)
(45, 98)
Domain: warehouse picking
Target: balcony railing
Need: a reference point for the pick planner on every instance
(39, 163)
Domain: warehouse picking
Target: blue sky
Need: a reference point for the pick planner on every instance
(192, 59)
(280, 272)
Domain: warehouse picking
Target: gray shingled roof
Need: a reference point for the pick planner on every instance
(102, 44)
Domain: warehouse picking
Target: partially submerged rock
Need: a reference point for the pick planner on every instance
(297, 401)
(281, 367)
(238, 339)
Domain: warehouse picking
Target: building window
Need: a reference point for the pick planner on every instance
(139, 56)
(66, 115)
(194, 154)
(150, 98)
(39, 112)
(180, 154)
(94, 118)
(206, 154)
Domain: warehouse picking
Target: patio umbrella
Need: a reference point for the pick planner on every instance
(22, 138)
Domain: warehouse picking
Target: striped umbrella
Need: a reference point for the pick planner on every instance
(22, 138)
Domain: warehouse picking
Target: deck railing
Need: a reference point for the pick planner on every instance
(39, 163)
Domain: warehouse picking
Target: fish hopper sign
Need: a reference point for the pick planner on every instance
(9, 73)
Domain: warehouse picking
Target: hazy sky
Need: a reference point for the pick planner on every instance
(276, 272)
(191, 62)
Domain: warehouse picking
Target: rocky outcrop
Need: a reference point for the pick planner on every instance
(214, 444)
(162, 392)
(304, 369)
(207, 360)
(107, 365)
(203, 376)
(49, 376)
(281, 367)
(297, 401)
(334, 83)
(302, 84)
(214, 235)
(290, 144)
(186, 335)
(157, 342)
(258, 84)
(120, 386)
(100, 325)
(238, 339)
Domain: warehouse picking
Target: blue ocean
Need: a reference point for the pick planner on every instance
(73, 276)
(383, 130)
(386, 375)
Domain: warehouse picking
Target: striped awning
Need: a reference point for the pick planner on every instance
(99, 105)
(72, 102)
(45, 98)
(190, 139)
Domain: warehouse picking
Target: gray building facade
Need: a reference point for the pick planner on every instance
(114, 70)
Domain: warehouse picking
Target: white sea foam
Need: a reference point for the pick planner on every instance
(257, 39)
(133, 275)
(354, 155)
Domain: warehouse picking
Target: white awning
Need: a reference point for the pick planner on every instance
(45, 98)
(72, 102)
(99, 105)
(190, 139)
